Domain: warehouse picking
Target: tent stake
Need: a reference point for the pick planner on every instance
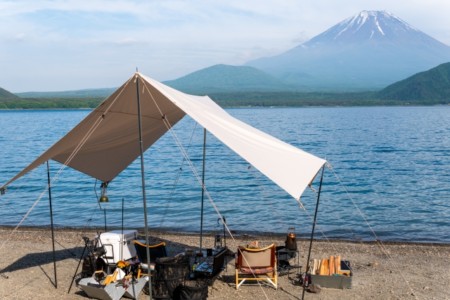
(144, 198)
(51, 223)
(203, 190)
(312, 231)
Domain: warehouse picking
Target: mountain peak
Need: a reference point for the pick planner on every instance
(366, 51)
(225, 78)
(368, 25)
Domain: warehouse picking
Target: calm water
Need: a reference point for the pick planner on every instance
(390, 163)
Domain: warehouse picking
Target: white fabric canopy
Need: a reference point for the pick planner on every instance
(107, 140)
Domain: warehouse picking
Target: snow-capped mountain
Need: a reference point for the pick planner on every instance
(367, 51)
(370, 26)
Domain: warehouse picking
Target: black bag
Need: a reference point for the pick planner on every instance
(192, 290)
(171, 273)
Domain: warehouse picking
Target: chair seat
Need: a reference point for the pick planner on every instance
(155, 251)
(257, 271)
(256, 264)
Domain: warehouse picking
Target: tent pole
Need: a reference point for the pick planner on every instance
(51, 223)
(203, 190)
(123, 240)
(312, 231)
(104, 218)
(144, 198)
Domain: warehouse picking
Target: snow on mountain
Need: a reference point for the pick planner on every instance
(366, 25)
(374, 27)
(367, 51)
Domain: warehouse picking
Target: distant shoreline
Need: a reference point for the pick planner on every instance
(238, 99)
(237, 107)
(239, 235)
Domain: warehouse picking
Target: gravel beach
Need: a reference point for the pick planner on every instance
(380, 271)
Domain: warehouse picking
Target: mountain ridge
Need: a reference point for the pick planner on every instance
(4, 94)
(227, 78)
(433, 84)
(365, 52)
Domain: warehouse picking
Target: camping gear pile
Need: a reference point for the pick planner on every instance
(112, 269)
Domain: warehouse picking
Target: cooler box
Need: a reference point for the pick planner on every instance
(118, 245)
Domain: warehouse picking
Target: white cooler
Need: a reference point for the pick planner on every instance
(118, 245)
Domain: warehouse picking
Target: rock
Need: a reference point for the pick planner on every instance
(314, 288)
(373, 264)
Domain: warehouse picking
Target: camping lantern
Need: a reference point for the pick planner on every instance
(291, 243)
(103, 198)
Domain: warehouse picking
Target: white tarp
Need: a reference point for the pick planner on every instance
(107, 140)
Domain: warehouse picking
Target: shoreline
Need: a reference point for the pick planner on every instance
(387, 271)
(245, 106)
(236, 234)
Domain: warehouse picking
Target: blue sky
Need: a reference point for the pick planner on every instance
(54, 45)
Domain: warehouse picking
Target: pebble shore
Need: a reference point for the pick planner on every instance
(380, 271)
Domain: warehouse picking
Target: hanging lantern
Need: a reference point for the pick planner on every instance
(103, 198)
(291, 243)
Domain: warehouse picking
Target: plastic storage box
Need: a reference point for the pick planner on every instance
(118, 245)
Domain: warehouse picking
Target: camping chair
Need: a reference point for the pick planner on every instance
(156, 251)
(259, 264)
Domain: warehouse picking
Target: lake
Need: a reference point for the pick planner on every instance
(388, 176)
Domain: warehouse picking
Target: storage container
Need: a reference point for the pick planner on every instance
(335, 281)
(118, 245)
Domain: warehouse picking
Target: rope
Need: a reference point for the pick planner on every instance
(12, 207)
(378, 240)
(23, 218)
(175, 183)
(199, 180)
(34, 225)
(194, 171)
(318, 227)
(265, 194)
(55, 177)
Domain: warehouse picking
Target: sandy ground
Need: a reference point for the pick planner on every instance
(388, 271)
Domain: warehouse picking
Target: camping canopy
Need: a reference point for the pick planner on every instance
(107, 140)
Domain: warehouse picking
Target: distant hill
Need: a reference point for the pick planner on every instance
(85, 93)
(430, 85)
(52, 100)
(4, 94)
(426, 88)
(365, 52)
(226, 78)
